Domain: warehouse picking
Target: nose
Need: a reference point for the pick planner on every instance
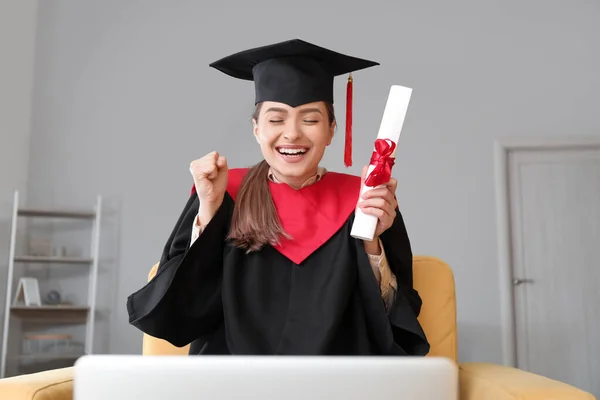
(292, 133)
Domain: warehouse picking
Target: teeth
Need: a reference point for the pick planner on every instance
(292, 151)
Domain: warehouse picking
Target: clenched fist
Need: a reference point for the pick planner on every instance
(210, 179)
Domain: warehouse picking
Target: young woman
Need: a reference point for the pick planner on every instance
(261, 260)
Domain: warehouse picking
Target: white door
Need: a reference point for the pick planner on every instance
(554, 209)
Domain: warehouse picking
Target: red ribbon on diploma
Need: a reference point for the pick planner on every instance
(383, 163)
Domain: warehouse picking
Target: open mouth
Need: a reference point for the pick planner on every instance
(292, 151)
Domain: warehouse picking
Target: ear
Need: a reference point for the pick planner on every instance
(255, 130)
(331, 132)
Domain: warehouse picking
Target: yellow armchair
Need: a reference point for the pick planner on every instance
(435, 282)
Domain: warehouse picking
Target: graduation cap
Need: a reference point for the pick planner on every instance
(296, 72)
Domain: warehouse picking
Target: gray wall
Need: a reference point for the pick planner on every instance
(17, 42)
(124, 100)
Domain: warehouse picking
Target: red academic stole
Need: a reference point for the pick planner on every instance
(310, 215)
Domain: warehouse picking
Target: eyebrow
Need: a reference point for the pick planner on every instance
(276, 109)
(283, 110)
(309, 110)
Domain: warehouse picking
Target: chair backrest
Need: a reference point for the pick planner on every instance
(434, 281)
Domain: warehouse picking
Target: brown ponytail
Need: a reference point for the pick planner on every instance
(255, 222)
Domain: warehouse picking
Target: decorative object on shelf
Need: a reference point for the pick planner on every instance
(64, 348)
(52, 298)
(45, 343)
(40, 349)
(40, 247)
(60, 251)
(28, 293)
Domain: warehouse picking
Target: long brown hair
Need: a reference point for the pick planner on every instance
(255, 222)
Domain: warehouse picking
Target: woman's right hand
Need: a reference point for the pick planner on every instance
(210, 179)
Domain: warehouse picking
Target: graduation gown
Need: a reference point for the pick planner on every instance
(314, 294)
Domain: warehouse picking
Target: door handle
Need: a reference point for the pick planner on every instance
(518, 282)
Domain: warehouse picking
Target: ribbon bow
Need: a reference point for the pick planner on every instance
(383, 163)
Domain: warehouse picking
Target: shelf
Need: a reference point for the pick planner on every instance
(51, 314)
(47, 356)
(31, 212)
(39, 254)
(56, 260)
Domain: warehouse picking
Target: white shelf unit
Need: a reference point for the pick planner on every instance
(59, 314)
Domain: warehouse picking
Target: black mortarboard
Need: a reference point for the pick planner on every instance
(295, 72)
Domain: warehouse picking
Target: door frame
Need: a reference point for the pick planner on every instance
(502, 149)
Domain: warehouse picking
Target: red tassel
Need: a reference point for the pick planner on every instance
(348, 144)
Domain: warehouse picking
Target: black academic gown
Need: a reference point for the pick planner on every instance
(315, 294)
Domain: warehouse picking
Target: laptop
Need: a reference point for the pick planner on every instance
(120, 377)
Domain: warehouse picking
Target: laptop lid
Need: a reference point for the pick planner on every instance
(120, 377)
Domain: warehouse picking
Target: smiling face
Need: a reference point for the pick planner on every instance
(293, 139)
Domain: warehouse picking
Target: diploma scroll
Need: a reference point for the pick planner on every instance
(382, 160)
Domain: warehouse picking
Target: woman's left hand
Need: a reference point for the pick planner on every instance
(380, 202)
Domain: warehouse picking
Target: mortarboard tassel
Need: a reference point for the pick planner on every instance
(348, 144)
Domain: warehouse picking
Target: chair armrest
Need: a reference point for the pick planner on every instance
(55, 384)
(497, 382)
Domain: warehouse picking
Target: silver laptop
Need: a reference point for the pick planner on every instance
(120, 377)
